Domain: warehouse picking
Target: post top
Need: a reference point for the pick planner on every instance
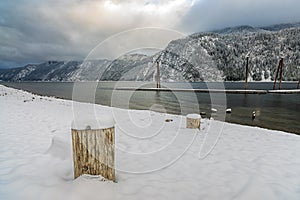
(101, 123)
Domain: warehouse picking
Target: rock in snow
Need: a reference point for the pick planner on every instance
(154, 159)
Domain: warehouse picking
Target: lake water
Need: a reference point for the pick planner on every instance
(274, 111)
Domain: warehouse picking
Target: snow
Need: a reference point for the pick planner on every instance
(24, 72)
(263, 79)
(106, 121)
(220, 161)
(290, 91)
(193, 116)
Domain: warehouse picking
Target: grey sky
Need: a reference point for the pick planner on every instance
(216, 14)
(33, 31)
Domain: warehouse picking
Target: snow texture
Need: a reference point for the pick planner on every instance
(193, 116)
(245, 163)
(105, 121)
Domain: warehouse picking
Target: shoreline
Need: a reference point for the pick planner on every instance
(242, 124)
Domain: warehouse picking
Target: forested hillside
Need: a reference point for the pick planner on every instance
(212, 56)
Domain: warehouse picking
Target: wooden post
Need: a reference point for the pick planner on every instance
(298, 84)
(281, 71)
(276, 74)
(93, 152)
(158, 76)
(193, 121)
(246, 80)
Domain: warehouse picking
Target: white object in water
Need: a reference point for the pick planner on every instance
(202, 113)
(214, 110)
(253, 115)
(228, 110)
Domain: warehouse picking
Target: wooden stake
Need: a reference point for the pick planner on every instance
(193, 121)
(281, 71)
(158, 76)
(246, 80)
(93, 152)
(276, 74)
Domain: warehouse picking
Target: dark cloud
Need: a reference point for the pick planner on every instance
(26, 37)
(215, 14)
(33, 31)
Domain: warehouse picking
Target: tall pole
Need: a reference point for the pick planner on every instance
(298, 76)
(158, 76)
(276, 75)
(246, 80)
(281, 71)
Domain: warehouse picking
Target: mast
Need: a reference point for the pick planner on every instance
(246, 80)
(158, 76)
(277, 72)
(281, 71)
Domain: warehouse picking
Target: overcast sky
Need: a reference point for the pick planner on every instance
(33, 31)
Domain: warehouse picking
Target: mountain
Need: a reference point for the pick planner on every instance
(279, 27)
(237, 29)
(265, 48)
(210, 56)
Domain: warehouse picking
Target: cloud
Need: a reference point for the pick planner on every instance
(35, 31)
(215, 14)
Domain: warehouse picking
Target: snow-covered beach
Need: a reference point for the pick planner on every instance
(245, 163)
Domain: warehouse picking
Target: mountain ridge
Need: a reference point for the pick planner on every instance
(205, 56)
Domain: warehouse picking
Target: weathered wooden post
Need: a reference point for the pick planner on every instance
(298, 76)
(281, 71)
(157, 76)
(246, 80)
(278, 71)
(193, 121)
(276, 76)
(93, 148)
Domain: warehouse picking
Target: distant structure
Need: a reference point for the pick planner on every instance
(158, 76)
(246, 79)
(298, 70)
(279, 71)
(253, 116)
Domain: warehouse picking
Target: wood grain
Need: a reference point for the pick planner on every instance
(192, 123)
(93, 152)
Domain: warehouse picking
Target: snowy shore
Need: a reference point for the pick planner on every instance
(164, 161)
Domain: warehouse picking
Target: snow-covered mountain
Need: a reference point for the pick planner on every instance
(209, 56)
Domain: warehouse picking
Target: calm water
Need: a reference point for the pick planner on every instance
(274, 111)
